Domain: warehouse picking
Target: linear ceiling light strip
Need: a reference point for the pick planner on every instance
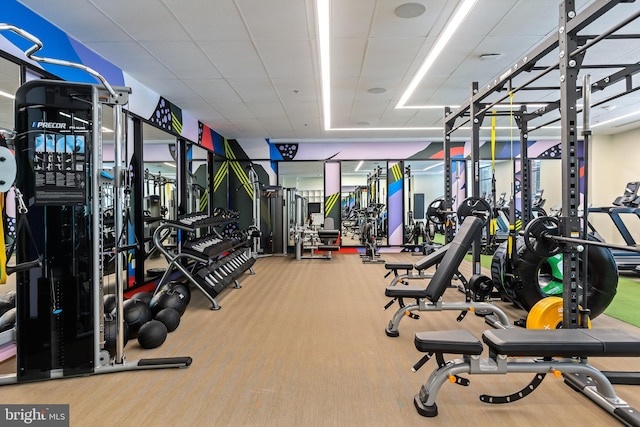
(458, 18)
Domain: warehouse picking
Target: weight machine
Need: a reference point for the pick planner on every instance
(312, 238)
(373, 225)
(59, 326)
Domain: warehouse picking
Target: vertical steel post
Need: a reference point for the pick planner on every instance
(476, 121)
(96, 225)
(522, 119)
(448, 190)
(119, 226)
(586, 134)
(569, 222)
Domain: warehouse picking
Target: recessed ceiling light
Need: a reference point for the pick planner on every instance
(410, 10)
(376, 90)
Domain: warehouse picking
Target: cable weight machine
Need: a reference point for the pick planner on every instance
(59, 327)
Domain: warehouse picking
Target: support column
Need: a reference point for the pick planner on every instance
(569, 222)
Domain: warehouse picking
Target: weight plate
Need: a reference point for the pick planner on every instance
(538, 236)
(547, 314)
(474, 206)
(435, 211)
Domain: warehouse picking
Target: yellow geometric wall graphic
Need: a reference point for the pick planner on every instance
(177, 126)
(330, 203)
(240, 173)
(204, 200)
(396, 171)
(221, 174)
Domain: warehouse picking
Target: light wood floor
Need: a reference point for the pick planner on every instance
(303, 344)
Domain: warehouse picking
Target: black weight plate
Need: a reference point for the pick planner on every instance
(538, 236)
(435, 211)
(474, 206)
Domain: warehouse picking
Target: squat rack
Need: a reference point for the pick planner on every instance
(571, 48)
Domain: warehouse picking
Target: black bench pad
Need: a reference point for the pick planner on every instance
(398, 266)
(328, 248)
(328, 234)
(563, 342)
(405, 291)
(457, 341)
(432, 259)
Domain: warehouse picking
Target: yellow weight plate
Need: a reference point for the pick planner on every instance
(547, 314)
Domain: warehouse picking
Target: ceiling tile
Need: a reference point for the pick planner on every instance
(184, 59)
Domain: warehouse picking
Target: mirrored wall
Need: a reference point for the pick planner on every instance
(363, 200)
(197, 179)
(159, 186)
(424, 184)
(304, 180)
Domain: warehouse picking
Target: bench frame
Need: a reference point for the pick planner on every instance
(449, 258)
(576, 370)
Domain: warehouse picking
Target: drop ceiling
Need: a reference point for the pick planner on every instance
(250, 68)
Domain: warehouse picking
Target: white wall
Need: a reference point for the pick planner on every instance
(551, 183)
(614, 161)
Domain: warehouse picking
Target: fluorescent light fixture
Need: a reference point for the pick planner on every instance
(323, 8)
(458, 17)
(359, 165)
(389, 128)
(173, 165)
(507, 127)
(433, 166)
(519, 105)
(7, 95)
(615, 119)
(432, 107)
(324, 36)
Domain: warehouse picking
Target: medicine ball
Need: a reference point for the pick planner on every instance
(152, 334)
(183, 289)
(168, 298)
(169, 317)
(109, 303)
(110, 333)
(8, 320)
(136, 313)
(143, 296)
(9, 296)
(5, 306)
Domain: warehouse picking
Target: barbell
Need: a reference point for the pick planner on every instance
(437, 212)
(542, 237)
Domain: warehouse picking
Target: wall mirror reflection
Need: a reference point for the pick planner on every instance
(424, 185)
(303, 181)
(159, 187)
(363, 201)
(197, 179)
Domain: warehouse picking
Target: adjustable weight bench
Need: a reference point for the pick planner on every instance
(430, 298)
(558, 351)
(426, 262)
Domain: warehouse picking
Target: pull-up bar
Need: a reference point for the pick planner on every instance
(38, 45)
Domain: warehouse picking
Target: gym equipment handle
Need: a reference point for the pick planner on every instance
(421, 362)
(24, 266)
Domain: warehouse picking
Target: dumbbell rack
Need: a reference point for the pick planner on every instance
(210, 263)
